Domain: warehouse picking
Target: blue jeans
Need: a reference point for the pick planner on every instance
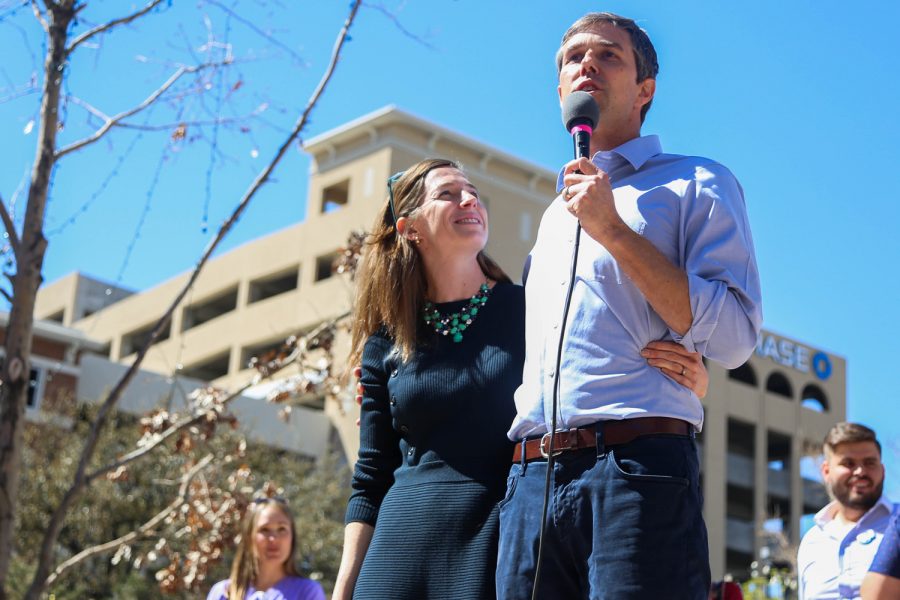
(624, 523)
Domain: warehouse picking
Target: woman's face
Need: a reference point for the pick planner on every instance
(451, 216)
(272, 536)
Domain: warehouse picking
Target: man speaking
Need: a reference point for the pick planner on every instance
(639, 246)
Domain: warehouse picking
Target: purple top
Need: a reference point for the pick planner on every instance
(289, 588)
(887, 560)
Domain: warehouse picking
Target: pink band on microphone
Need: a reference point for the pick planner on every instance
(586, 128)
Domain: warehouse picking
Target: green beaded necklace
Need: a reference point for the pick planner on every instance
(455, 323)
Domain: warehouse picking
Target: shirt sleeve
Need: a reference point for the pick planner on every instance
(218, 591)
(723, 278)
(379, 442)
(887, 559)
(801, 569)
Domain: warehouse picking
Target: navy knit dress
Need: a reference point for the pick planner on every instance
(434, 457)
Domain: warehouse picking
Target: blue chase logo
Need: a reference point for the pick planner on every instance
(793, 355)
(821, 365)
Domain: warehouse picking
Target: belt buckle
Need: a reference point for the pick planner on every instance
(544, 452)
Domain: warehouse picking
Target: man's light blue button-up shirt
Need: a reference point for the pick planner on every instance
(833, 559)
(692, 210)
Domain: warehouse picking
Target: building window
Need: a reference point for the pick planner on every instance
(779, 462)
(273, 285)
(209, 369)
(325, 265)
(814, 398)
(260, 351)
(779, 385)
(209, 309)
(526, 227)
(34, 381)
(335, 196)
(137, 339)
(744, 374)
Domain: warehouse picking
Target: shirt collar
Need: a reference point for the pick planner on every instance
(636, 152)
(827, 514)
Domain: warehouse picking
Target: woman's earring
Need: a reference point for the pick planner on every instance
(417, 241)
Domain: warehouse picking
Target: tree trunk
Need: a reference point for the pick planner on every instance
(29, 261)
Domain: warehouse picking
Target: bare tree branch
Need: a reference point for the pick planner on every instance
(39, 15)
(257, 30)
(161, 126)
(390, 15)
(111, 24)
(6, 295)
(114, 121)
(10, 227)
(141, 531)
(21, 93)
(88, 107)
(170, 126)
(198, 418)
(54, 526)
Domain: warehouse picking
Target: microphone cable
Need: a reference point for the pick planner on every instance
(580, 115)
(550, 455)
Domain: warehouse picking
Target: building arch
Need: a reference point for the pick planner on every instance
(745, 374)
(778, 384)
(814, 398)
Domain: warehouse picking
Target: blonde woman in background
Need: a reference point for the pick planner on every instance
(263, 567)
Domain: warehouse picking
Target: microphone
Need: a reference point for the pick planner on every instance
(580, 115)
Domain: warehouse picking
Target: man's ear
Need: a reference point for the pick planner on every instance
(825, 468)
(647, 91)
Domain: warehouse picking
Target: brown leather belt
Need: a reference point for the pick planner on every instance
(614, 434)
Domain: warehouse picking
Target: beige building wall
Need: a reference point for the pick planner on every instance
(761, 421)
(253, 297)
(258, 294)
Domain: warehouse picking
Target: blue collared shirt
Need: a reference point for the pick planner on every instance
(833, 559)
(692, 210)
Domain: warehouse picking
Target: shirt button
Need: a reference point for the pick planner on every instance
(404, 429)
(393, 400)
(563, 283)
(551, 374)
(394, 373)
(410, 452)
(556, 326)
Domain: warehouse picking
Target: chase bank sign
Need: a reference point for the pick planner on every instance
(794, 355)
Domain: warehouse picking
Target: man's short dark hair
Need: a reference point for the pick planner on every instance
(849, 433)
(644, 52)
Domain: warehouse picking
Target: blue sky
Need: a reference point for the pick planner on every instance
(798, 99)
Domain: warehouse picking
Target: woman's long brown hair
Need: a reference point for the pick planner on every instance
(391, 278)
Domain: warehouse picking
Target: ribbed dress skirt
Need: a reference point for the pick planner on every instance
(422, 548)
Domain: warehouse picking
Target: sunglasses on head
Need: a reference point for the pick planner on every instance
(390, 184)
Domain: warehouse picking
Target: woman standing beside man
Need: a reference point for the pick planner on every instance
(440, 332)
